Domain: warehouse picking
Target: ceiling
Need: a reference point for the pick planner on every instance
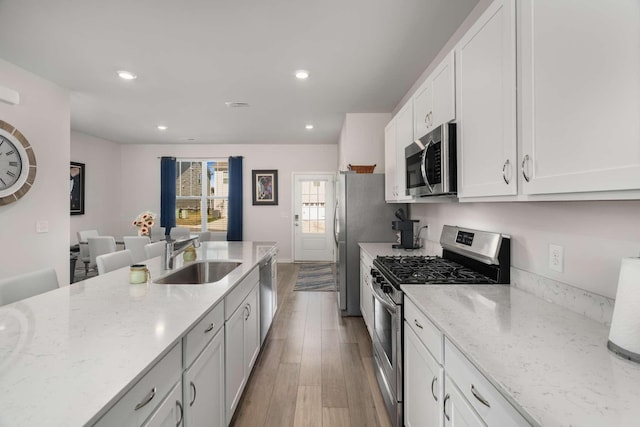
(192, 56)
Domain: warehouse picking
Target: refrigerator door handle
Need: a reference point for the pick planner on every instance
(335, 222)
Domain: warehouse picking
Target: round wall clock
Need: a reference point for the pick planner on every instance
(17, 164)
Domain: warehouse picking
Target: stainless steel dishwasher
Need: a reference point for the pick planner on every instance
(268, 294)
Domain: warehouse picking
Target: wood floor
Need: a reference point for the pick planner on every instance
(315, 369)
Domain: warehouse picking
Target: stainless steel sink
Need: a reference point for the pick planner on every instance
(199, 273)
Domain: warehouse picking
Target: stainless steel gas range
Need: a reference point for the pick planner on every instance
(468, 257)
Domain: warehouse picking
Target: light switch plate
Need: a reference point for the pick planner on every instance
(42, 226)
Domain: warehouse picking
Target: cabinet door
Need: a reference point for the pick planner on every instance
(390, 173)
(580, 98)
(486, 104)
(457, 411)
(204, 386)
(422, 109)
(444, 92)
(404, 137)
(170, 413)
(422, 384)
(234, 359)
(252, 330)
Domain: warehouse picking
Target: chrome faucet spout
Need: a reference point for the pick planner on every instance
(173, 248)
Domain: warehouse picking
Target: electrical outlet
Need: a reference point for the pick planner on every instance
(556, 258)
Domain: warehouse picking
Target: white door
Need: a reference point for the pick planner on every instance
(313, 217)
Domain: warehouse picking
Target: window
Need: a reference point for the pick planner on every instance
(202, 186)
(313, 203)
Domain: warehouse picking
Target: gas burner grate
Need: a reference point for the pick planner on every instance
(424, 270)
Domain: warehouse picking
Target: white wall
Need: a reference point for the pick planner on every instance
(362, 140)
(595, 235)
(103, 185)
(43, 117)
(140, 187)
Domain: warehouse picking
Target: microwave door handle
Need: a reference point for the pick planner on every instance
(423, 166)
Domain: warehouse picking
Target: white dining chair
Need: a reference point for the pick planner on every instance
(178, 233)
(83, 255)
(113, 261)
(100, 245)
(26, 285)
(155, 249)
(136, 245)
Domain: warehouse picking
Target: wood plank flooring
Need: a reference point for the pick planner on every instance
(315, 369)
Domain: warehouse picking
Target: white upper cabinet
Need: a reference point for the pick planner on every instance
(397, 135)
(434, 101)
(390, 186)
(404, 137)
(486, 104)
(580, 96)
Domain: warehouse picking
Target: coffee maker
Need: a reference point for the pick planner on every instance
(405, 227)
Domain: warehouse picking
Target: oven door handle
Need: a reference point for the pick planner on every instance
(391, 307)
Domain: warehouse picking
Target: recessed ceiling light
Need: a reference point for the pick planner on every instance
(302, 74)
(162, 127)
(237, 104)
(127, 75)
(308, 127)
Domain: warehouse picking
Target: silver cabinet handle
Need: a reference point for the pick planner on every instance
(415, 321)
(246, 310)
(148, 398)
(524, 172)
(504, 176)
(478, 396)
(209, 328)
(426, 119)
(444, 406)
(179, 405)
(195, 392)
(433, 381)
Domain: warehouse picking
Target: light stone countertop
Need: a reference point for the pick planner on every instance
(549, 362)
(67, 355)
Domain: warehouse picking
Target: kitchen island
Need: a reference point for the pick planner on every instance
(68, 355)
(550, 363)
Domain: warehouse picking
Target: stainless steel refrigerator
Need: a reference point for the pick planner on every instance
(361, 215)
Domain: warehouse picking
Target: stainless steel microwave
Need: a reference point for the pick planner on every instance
(431, 163)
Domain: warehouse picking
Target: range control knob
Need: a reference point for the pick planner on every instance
(386, 288)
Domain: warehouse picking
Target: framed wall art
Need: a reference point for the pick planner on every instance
(76, 188)
(265, 187)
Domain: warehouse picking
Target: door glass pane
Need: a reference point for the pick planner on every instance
(313, 204)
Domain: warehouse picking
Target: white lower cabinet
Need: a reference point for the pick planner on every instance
(171, 412)
(242, 344)
(203, 386)
(141, 400)
(422, 384)
(482, 396)
(366, 292)
(457, 411)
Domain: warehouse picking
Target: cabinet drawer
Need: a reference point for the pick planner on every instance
(197, 338)
(152, 388)
(496, 410)
(430, 336)
(233, 300)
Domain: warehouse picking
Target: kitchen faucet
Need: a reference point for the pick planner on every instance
(173, 248)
